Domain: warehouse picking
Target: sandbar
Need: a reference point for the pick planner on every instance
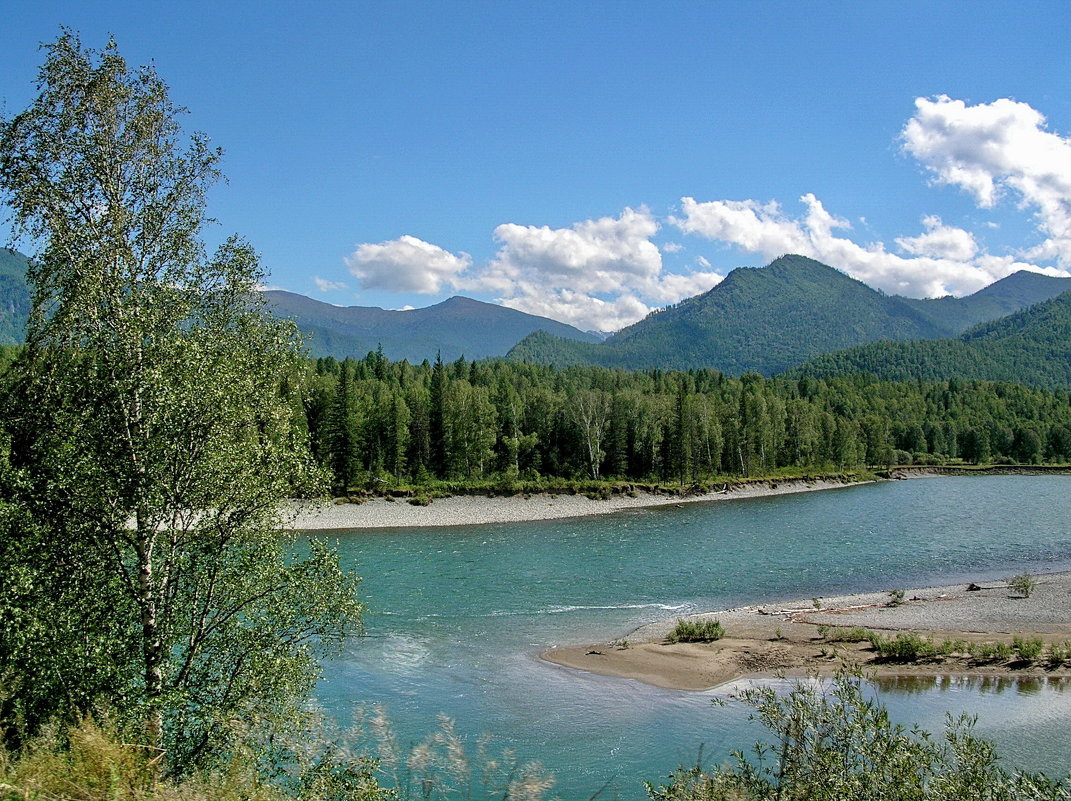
(783, 639)
(467, 510)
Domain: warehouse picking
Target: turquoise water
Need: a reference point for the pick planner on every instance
(458, 616)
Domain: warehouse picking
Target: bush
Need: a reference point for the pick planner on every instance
(904, 647)
(706, 630)
(1024, 584)
(1060, 653)
(848, 634)
(834, 744)
(896, 597)
(1029, 650)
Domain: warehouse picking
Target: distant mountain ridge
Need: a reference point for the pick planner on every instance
(14, 297)
(1032, 346)
(773, 318)
(456, 327)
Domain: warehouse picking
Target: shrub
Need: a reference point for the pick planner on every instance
(706, 630)
(904, 647)
(849, 634)
(828, 743)
(896, 597)
(949, 647)
(1060, 653)
(982, 651)
(1023, 584)
(1029, 650)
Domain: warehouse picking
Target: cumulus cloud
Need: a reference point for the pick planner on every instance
(406, 264)
(324, 285)
(994, 148)
(608, 272)
(940, 242)
(942, 260)
(599, 274)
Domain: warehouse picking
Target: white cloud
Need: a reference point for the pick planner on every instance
(324, 285)
(940, 242)
(599, 274)
(608, 272)
(584, 311)
(406, 264)
(992, 148)
(593, 255)
(938, 264)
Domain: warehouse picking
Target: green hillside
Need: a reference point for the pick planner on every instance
(764, 320)
(770, 319)
(1032, 346)
(1006, 296)
(14, 297)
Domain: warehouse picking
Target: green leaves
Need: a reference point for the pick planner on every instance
(153, 435)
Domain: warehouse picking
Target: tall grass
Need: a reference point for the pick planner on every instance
(706, 630)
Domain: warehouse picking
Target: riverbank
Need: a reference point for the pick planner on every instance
(467, 510)
(786, 638)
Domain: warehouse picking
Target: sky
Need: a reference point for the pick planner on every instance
(593, 161)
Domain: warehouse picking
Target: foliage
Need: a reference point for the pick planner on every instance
(153, 436)
(835, 744)
(896, 597)
(1024, 584)
(904, 647)
(706, 630)
(1028, 649)
(91, 760)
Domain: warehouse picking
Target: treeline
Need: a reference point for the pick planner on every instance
(376, 422)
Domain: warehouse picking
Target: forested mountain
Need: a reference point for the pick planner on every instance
(456, 327)
(14, 297)
(770, 319)
(999, 299)
(376, 423)
(1032, 346)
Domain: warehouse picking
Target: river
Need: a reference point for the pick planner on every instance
(457, 617)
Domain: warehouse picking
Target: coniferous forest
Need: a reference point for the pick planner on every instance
(377, 423)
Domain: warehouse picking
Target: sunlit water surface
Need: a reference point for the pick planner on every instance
(458, 616)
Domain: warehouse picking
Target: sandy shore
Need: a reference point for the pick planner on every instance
(784, 638)
(467, 510)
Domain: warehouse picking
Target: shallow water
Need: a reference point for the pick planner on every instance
(458, 616)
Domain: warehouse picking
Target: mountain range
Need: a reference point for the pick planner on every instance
(795, 316)
(456, 327)
(771, 319)
(1032, 346)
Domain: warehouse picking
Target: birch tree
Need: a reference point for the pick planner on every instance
(150, 443)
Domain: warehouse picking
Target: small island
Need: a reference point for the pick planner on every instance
(986, 629)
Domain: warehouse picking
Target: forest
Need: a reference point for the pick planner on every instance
(377, 424)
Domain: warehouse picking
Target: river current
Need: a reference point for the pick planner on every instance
(457, 617)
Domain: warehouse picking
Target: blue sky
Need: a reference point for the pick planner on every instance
(593, 160)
